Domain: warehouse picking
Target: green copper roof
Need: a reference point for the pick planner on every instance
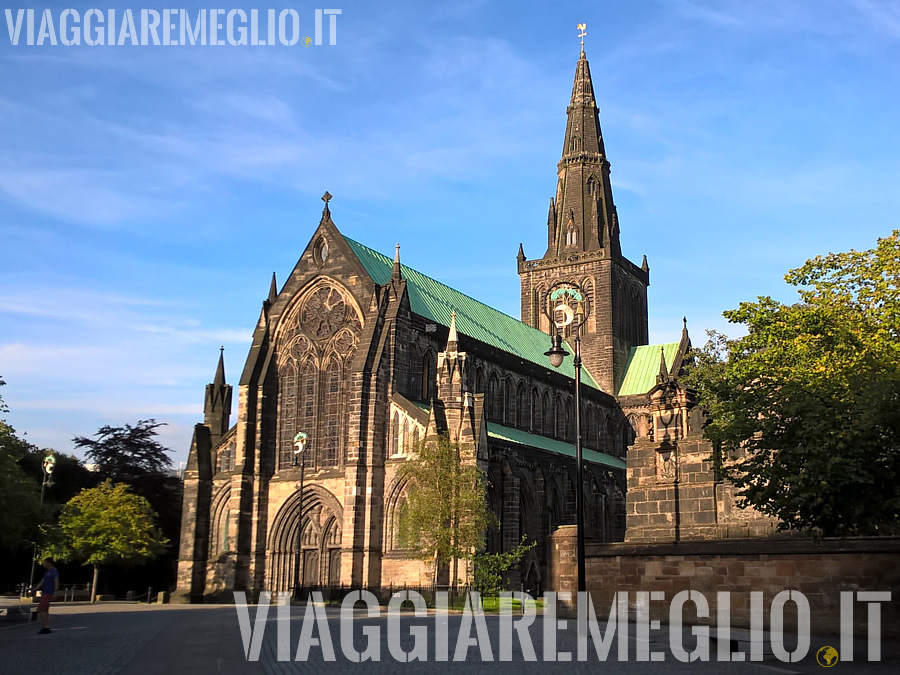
(559, 447)
(434, 300)
(642, 367)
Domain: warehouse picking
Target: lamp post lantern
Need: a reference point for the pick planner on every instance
(301, 441)
(566, 306)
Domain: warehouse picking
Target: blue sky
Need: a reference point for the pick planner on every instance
(148, 193)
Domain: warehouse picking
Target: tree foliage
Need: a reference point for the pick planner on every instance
(445, 514)
(131, 454)
(490, 568)
(106, 525)
(20, 507)
(805, 409)
(19, 496)
(127, 452)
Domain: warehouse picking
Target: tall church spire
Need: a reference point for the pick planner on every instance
(583, 245)
(583, 215)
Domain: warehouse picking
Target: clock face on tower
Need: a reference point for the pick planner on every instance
(324, 313)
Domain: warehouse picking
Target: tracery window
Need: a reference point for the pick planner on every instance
(316, 344)
(324, 312)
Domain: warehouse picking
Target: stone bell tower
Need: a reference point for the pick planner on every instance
(583, 246)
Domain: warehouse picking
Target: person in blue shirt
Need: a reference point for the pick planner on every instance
(49, 585)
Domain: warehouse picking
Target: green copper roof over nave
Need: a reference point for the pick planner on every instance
(435, 301)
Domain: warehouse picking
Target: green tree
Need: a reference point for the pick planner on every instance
(19, 495)
(445, 514)
(805, 409)
(490, 568)
(106, 525)
(131, 454)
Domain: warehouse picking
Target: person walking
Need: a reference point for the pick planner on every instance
(49, 586)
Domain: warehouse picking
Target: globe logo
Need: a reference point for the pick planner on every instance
(827, 657)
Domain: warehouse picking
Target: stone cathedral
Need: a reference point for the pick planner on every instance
(367, 356)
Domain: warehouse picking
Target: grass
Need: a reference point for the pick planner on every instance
(493, 605)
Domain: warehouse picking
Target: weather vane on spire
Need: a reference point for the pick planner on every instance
(582, 31)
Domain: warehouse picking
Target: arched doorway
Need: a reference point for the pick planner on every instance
(319, 563)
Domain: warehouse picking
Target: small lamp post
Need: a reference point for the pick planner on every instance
(300, 443)
(47, 467)
(566, 307)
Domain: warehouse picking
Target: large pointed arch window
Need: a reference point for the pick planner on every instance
(429, 375)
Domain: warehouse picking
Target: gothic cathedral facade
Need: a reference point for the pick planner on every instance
(366, 357)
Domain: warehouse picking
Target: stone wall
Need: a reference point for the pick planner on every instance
(820, 570)
(674, 490)
(675, 495)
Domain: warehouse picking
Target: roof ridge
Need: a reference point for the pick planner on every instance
(407, 267)
(430, 300)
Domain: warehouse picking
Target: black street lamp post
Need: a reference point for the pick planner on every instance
(567, 308)
(300, 443)
(47, 467)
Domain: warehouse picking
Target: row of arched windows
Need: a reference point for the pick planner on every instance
(537, 410)
(402, 440)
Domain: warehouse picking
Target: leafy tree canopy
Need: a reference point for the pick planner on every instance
(805, 409)
(106, 525)
(127, 452)
(445, 514)
(19, 495)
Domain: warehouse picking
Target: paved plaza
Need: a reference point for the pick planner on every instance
(133, 638)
